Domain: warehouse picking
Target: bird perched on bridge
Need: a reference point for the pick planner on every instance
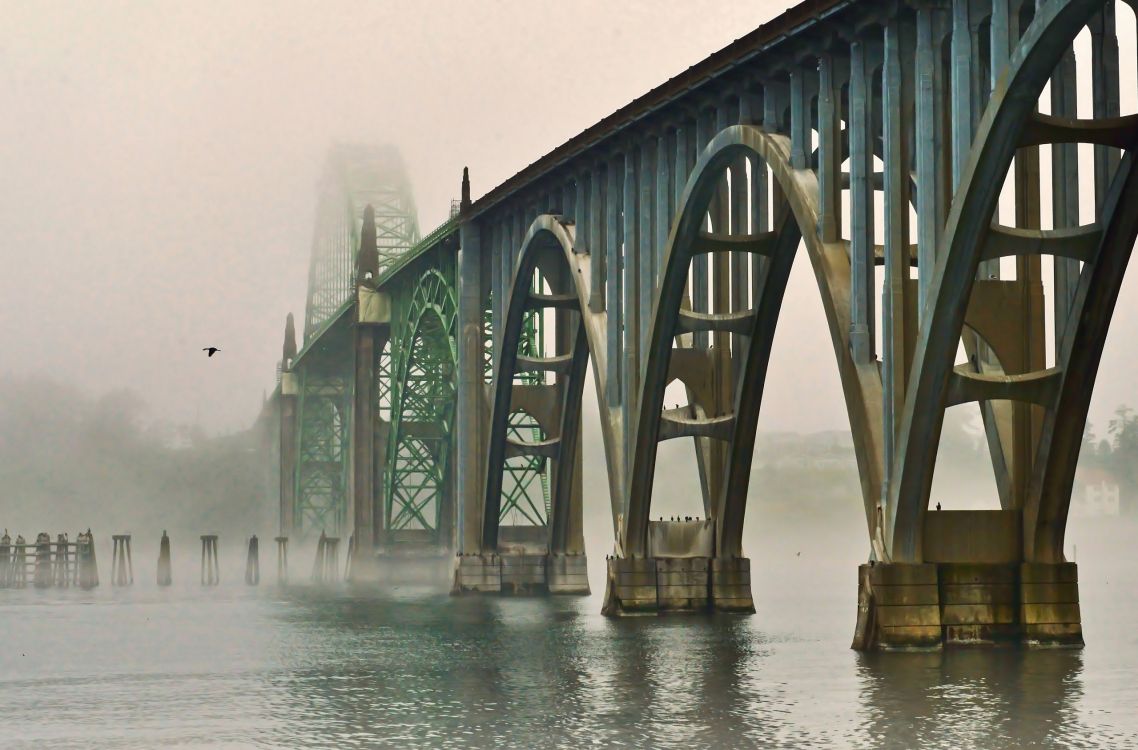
(210, 350)
(938, 506)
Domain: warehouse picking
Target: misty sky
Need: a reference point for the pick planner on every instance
(158, 163)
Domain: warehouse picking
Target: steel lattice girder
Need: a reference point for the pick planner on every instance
(422, 403)
(355, 177)
(526, 493)
(321, 479)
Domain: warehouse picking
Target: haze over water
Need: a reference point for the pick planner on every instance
(415, 668)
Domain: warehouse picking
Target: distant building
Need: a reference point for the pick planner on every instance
(1096, 494)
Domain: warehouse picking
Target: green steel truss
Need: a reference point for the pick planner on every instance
(322, 461)
(418, 484)
(354, 177)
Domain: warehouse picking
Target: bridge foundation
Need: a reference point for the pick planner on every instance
(672, 584)
(680, 574)
(521, 573)
(931, 605)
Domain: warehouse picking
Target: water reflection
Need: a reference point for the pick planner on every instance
(415, 668)
(981, 697)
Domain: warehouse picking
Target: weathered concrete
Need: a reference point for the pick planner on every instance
(567, 574)
(477, 574)
(930, 605)
(681, 575)
(522, 572)
(974, 536)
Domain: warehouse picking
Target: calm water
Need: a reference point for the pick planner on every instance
(415, 668)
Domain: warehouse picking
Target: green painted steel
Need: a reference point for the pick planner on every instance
(355, 177)
(526, 479)
(418, 486)
(322, 462)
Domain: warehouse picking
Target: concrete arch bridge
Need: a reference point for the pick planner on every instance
(931, 147)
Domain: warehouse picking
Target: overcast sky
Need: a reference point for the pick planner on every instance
(158, 166)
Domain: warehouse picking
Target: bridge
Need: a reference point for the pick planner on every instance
(434, 410)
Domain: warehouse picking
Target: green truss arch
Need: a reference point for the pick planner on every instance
(417, 490)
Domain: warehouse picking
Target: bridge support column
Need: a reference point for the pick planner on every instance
(288, 437)
(370, 338)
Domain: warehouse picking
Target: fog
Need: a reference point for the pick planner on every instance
(158, 167)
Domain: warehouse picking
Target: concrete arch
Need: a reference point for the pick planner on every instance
(1049, 499)
(548, 245)
(861, 384)
(1001, 131)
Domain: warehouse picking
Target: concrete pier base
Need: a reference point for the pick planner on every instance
(521, 573)
(567, 574)
(477, 574)
(677, 584)
(931, 605)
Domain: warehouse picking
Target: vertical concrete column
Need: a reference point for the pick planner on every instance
(930, 146)
(596, 239)
(614, 294)
(896, 93)
(469, 442)
(374, 309)
(1104, 94)
(862, 291)
(829, 148)
(497, 281)
(1064, 189)
(961, 86)
(647, 241)
(634, 270)
(700, 291)
(799, 120)
(288, 430)
(662, 215)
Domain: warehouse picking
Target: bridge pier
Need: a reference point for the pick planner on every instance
(521, 572)
(931, 605)
(680, 574)
(973, 589)
(671, 584)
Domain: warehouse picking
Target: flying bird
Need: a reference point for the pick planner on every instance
(210, 350)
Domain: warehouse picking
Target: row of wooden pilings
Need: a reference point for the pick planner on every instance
(62, 563)
(45, 562)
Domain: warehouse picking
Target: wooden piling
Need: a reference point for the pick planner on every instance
(122, 565)
(20, 563)
(165, 575)
(5, 560)
(88, 573)
(211, 575)
(253, 563)
(62, 571)
(282, 559)
(42, 576)
(326, 566)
